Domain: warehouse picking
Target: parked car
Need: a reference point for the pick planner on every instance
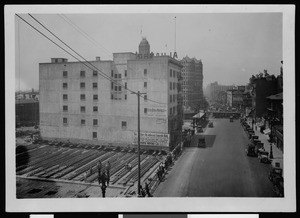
(199, 129)
(251, 150)
(263, 157)
(201, 142)
(210, 125)
(275, 173)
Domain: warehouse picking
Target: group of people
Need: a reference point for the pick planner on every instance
(145, 192)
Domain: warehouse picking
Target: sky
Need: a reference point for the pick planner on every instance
(232, 46)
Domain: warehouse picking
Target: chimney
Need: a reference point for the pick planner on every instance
(97, 58)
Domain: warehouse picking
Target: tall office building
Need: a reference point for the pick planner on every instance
(192, 82)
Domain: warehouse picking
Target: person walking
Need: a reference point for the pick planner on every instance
(107, 172)
(99, 168)
(147, 190)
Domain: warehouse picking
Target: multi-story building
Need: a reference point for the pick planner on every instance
(192, 83)
(235, 98)
(27, 112)
(213, 91)
(77, 103)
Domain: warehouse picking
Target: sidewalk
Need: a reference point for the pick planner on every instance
(277, 153)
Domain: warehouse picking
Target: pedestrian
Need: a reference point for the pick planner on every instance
(91, 171)
(85, 176)
(147, 190)
(142, 191)
(107, 172)
(103, 189)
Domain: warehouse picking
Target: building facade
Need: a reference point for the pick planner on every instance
(76, 103)
(192, 83)
(27, 112)
(216, 92)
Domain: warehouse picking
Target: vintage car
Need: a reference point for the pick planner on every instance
(211, 124)
(199, 129)
(263, 157)
(275, 173)
(201, 142)
(251, 150)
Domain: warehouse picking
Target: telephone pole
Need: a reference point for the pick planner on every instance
(138, 94)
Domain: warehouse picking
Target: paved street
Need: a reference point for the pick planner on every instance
(222, 169)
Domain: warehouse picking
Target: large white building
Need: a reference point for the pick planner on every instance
(78, 104)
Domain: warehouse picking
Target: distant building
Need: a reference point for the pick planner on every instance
(78, 104)
(235, 98)
(27, 112)
(27, 95)
(192, 83)
(216, 92)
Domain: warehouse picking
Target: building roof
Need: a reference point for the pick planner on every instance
(276, 97)
(144, 42)
(26, 101)
(187, 59)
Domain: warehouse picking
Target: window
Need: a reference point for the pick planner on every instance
(94, 135)
(174, 73)
(65, 73)
(116, 88)
(125, 73)
(120, 88)
(82, 97)
(170, 111)
(82, 85)
(95, 122)
(125, 85)
(170, 85)
(112, 96)
(82, 73)
(65, 85)
(174, 85)
(174, 110)
(65, 121)
(170, 73)
(95, 97)
(82, 109)
(120, 76)
(112, 85)
(95, 73)
(145, 110)
(171, 98)
(124, 124)
(65, 97)
(125, 97)
(65, 108)
(95, 85)
(82, 122)
(145, 72)
(145, 84)
(112, 73)
(95, 109)
(116, 75)
(145, 97)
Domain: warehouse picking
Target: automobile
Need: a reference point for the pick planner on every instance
(201, 142)
(231, 118)
(263, 157)
(251, 150)
(210, 124)
(275, 173)
(199, 129)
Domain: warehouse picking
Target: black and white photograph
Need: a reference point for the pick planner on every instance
(150, 108)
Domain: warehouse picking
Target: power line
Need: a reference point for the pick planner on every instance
(104, 75)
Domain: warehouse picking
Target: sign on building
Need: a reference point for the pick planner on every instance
(152, 139)
(156, 112)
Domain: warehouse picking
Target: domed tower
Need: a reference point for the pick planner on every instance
(144, 47)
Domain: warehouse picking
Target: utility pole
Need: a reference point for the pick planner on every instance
(139, 162)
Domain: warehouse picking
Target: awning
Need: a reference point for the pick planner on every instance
(267, 131)
(199, 115)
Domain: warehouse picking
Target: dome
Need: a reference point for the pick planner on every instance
(144, 47)
(144, 42)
